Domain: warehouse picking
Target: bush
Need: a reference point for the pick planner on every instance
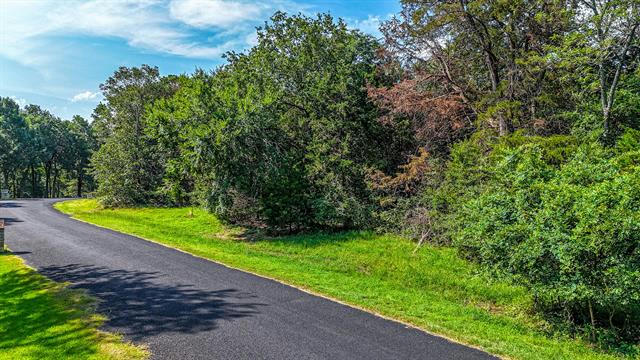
(566, 224)
(443, 190)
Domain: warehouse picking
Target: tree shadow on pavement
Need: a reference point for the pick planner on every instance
(140, 304)
(10, 205)
(8, 221)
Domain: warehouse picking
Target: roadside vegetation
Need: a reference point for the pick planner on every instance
(432, 288)
(504, 132)
(41, 319)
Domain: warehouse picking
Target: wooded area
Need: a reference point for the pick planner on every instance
(42, 155)
(508, 129)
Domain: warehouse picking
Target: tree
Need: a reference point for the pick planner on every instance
(82, 145)
(51, 141)
(491, 56)
(127, 167)
(13, 139)
(284, 131)
(34, 142)
(313, 73)
(611, 28)
(174, 122)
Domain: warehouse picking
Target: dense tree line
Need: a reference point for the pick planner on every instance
(42, 155)
(508, 129)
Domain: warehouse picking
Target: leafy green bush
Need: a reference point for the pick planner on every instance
(467, 174)
(566, 224)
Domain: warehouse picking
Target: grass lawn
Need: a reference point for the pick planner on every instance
(432, 289)
(41, 319)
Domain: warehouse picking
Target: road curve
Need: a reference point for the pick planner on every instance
(184, 307)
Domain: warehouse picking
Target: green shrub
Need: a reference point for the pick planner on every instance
(467, 174)
(565, 223)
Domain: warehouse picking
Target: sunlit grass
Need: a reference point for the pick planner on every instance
(432, 289)
(41, 319)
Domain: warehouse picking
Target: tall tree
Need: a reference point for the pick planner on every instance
(491, 55)
(13, 142)
(127, 167)
(50, 141)
(82, 145)
(611, 28)
(285, 129)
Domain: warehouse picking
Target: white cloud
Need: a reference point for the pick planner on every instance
(370, 25)
(218, 13)
(143, 24)
(26, 27)
(22, 102)
(190, 28)
(252, 39)
(85, 96)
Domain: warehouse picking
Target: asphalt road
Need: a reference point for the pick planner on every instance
(184, 307)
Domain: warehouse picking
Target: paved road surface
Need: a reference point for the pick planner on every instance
(185, 307)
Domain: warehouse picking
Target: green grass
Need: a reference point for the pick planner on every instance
(432, 289)
(41, 319)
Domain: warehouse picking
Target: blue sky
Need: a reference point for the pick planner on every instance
(55, 53)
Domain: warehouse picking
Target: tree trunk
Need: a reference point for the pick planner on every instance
(55, 189)
(607, 95)
(47, 181)
(33, 182)
(15, 185)
(5, 180)
(504, 125)
(593, 322)
(79, 189)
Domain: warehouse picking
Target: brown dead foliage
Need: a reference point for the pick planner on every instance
(437, 120)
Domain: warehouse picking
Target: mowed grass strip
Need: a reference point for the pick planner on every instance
(41, 319)
(432, 289)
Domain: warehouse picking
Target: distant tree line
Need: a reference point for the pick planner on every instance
(42, 155)
(508, 129)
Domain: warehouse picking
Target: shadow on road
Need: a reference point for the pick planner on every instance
(139, 305)
(10, 205)
(8, 252)
(8, 221)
